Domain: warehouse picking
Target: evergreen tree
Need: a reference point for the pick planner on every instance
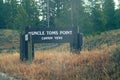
(78, 12)
(94, 19)
(2, 21)
(10, 11)
(109, 12)
(98, 17)
(21, 20)
(117, 16)
(63, 13)
(32, 11)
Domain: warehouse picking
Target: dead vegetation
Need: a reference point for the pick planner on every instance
(60, 65)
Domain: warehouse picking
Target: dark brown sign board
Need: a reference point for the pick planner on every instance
(48, 35)
(51, 35)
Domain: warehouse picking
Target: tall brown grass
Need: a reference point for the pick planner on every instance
(57, 64)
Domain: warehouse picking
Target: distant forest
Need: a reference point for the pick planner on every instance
(90, 16)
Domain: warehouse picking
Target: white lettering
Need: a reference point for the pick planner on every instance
(58, 37)
(52, 32)
(37, 33)
(46, 38)
(65, 32)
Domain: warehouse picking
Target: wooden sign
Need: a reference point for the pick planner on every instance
(48, 35)
(51, 35)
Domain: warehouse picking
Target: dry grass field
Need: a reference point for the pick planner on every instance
(96, 63)
(63, 65)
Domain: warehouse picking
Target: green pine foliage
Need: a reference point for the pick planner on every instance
(92, 17)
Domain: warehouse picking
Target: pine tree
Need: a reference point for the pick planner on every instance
(109, 12)
(2, 21)
(32, 11)
(98, 17)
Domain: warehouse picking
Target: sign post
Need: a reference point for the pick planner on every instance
(48, 35)
(30, 58)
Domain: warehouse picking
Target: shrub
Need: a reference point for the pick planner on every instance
(116, 54)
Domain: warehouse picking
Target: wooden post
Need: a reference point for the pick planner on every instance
(30, 56)
(22, 47)
(76, 45)
(74, 42)
(33, 51)
(80, 41)
(26, 46)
